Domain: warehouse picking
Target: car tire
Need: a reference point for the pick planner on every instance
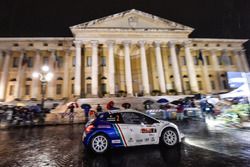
(99, 144)
(169, 137)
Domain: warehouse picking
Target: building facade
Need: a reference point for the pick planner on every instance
(132, 53)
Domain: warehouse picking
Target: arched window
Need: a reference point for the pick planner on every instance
(103, 78)
(59, 78)
(198, 76)
(171, 76)
(222, 75)
(13, 79)
(210, 76)
(73, 78)
(185, 76)
(28, 79)
(88, 78)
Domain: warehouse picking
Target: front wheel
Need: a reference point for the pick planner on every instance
(99, 144)
(169, 137)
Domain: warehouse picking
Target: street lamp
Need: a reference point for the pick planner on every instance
(45, 76)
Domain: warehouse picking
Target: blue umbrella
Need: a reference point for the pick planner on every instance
(86, 106)
(162, 100)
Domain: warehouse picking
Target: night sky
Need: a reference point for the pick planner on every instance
(52, 18)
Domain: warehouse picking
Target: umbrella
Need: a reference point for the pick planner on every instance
(126, 105)
(148, 102)
(176, 102)
(86, 106)
(110, 105)
(72, 104)
(162, 100)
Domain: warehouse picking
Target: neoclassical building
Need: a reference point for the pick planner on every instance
(131, 52)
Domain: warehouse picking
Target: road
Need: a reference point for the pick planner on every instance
(60, 146)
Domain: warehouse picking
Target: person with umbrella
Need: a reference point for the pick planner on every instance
(86, 108)
(163, 106)
(147, 104)
(111, 106)
(99, 108)
(126, 105)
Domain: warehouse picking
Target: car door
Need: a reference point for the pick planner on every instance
(131, 127)
(149, 129)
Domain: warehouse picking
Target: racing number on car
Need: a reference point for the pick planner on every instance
(117, 118)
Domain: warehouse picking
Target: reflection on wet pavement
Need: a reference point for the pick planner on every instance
(61, 146)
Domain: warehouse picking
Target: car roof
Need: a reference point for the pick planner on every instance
(129, 110)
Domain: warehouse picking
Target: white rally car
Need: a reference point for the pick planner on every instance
(127, 128)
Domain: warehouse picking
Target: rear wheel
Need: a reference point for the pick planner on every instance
(99, 144)
(169, 137)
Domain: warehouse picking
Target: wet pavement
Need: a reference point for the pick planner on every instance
(60, 146)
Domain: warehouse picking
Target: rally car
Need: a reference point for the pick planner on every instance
(128, 128)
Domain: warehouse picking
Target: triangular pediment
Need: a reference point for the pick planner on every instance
(132, 19)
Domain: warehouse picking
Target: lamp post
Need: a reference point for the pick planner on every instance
(45, 76)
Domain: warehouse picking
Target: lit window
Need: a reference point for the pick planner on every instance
(207, 60)
(219, 60)
(89, 61)
(72, 89)
(103, 61)
(183, 61)
(60, 61)
(30, 62)
(15, 62)
(58, 89)
(169, 61)
(212, 84)
(200, 85)
(88, 88)
(27, 89)
(187, 84)
(195, 60)
(74, 61)
(11, 92)
(46, 60)
(224, 84)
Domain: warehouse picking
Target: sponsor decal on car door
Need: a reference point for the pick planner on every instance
(149, 134)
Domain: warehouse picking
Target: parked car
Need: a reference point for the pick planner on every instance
(126, 128)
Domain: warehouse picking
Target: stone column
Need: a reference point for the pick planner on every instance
(4, 76)
(206, 75)
(51, 84)
(216, 68)
(128, 73)
(237, 59)
(144, 69)
(191, 69)
(95, 64)
(175, 68)
(159, 65)
(244, 61)
(20, 77)
(35, 82)
(111, 74)
(77, 81)
(66, 74)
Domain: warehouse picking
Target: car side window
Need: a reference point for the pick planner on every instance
(115, 118)
(146, 120)
(130, 118)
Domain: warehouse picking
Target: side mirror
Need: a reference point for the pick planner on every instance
(142, 124)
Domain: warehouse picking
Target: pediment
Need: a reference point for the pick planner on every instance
(132, 19)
